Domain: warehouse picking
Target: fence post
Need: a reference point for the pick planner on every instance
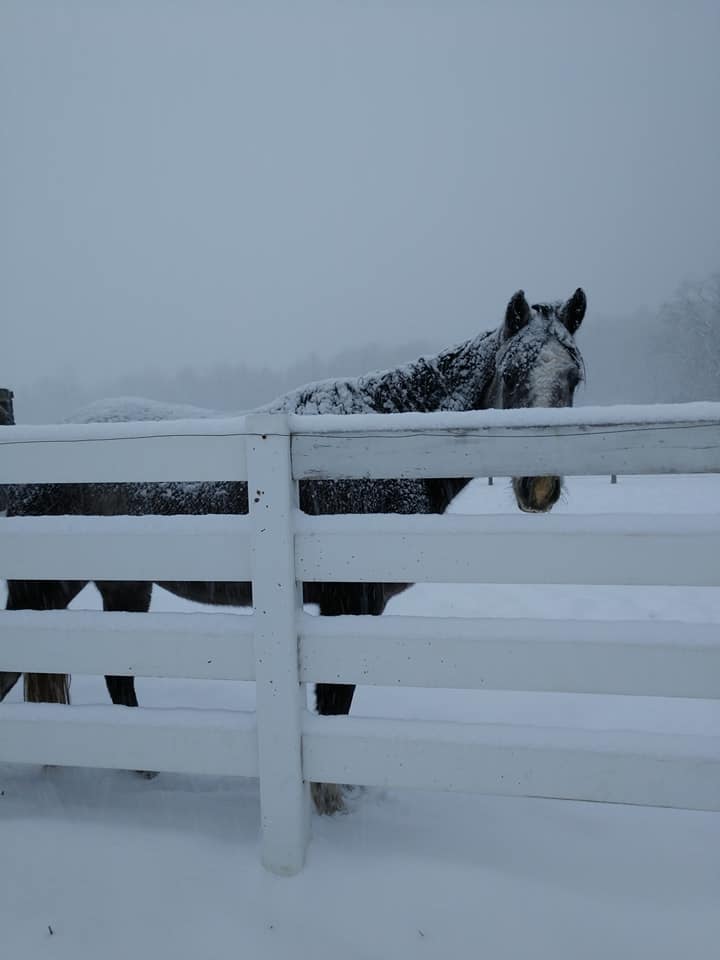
(272, 494)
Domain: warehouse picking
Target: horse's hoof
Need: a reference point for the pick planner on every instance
(328, 798)
(146, 774)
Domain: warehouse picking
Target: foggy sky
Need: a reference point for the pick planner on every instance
(197, 182)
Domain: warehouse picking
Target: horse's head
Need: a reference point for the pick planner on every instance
(538, 365)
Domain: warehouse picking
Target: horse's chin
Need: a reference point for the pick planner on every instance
(537, 494)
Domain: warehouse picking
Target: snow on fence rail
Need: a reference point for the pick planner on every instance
(281, 648)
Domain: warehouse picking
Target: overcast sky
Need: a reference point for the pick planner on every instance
(194, 182)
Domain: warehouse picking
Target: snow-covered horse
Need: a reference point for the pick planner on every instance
(531, 360)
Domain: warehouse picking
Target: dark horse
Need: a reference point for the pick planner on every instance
(7, 418)
(531, 360)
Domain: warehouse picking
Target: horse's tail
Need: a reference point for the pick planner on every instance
(47, 687)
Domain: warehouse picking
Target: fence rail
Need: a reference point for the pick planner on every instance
(126, 548)
(637, 440)
(187, 450)
(652, 658)
(516, 760)
(165, 741)
(195, 646)
(281, 648)
(633, 550)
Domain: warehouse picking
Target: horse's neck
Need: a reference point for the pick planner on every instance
(468, 371)
(456, 379)
(415, 387)
(443, 491)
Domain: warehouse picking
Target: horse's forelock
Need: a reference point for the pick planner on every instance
(547, 310)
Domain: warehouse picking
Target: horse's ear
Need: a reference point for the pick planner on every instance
(574, 310)
(517, 314)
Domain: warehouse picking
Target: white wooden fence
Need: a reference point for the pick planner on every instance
(281, 648)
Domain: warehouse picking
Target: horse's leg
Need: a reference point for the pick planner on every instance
(336, 600)
(7, 682)
(132, 598)
(42, 595)
(333, 699)
(128, 597)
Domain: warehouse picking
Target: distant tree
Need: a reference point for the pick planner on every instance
(690, 328)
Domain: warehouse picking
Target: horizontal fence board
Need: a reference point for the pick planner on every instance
(643, 658)
(122, 738)
(479, 443)
(632, 549)
(124, 452)
(615, 415)
(209, 548)
(666, 770)
(203, 646)
(584, 441)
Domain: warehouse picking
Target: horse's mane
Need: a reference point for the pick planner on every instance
(446, 381)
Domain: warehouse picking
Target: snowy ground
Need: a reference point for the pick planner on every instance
(106, 865)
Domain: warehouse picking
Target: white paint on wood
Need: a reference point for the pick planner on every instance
(123, 452)
(203, 646)
(284, 796)
(481, 451)
(210, 548)
(633, 550)
(608, 766)
(642, 658)
(630, 439)
(590, 657)
(219, 743)
(445, 420)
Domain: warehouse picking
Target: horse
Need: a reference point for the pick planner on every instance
(530, 360)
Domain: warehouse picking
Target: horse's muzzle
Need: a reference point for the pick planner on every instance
(537, 494)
